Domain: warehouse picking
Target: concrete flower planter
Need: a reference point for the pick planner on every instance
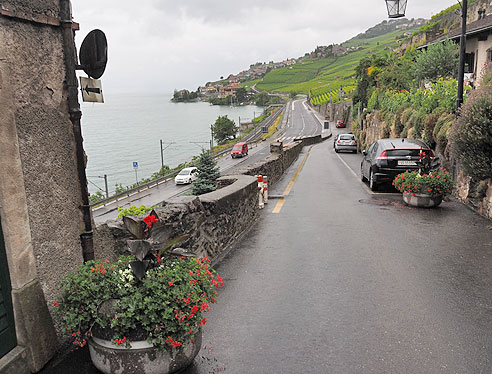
(422, 200)
(141, 358)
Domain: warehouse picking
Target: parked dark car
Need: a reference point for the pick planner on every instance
(386, 158)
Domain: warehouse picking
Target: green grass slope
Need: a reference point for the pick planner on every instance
(325, 75)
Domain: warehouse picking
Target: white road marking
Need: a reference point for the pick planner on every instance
(363, 184)
(347, 166)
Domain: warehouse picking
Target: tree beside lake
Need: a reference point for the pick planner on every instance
(224, 129)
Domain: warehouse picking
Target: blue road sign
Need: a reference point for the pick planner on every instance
(135, 164)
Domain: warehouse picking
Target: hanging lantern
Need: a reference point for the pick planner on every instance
(396, 8)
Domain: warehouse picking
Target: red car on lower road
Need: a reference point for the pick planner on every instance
(340, 124)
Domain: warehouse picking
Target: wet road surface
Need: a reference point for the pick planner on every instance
(342, 280)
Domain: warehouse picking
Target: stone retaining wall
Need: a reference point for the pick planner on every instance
(335, 111)
(213, 220)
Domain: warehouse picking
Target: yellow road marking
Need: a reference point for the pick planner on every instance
(279, 206)
(281, 202)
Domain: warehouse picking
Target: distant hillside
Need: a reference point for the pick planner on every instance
(314, 74)
(387, 27)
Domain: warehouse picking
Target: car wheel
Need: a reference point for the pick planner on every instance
(362, 178)
(372, 184)
(336, 150)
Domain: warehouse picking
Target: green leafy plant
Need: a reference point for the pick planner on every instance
(438, 60)
(224, 129)
(133, 210)
(158, 294)
(435, 182)
(471, 136)
(95, 197)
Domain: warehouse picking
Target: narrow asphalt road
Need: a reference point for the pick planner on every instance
(341, 280)
(337, 279)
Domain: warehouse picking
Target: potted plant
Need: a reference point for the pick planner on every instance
(143, 313)
(424, 189)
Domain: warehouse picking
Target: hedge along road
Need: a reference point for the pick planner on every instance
(343, 281)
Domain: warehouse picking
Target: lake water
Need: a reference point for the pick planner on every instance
(127, 129)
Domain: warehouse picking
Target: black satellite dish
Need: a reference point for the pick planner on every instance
(94, 54)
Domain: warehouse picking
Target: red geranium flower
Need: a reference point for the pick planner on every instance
(150, 220)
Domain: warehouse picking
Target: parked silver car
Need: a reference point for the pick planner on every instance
(345, 142)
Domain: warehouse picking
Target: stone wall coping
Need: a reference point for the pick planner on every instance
(240, 182)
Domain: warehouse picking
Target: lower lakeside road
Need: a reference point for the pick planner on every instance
(336, 279)
(298, 121)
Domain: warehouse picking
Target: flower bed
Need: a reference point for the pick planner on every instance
(434, 183)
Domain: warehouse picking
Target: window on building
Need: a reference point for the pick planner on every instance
(469, 62)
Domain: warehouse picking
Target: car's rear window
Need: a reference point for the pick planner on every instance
(403, 152)
(184, 172)
(347, 137)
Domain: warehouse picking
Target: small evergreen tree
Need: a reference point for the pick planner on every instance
(208, 172)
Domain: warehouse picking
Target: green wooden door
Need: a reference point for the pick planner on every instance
(7, 328)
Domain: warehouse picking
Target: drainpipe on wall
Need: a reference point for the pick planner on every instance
(86, 237)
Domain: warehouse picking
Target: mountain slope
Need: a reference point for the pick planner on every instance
(327, 74)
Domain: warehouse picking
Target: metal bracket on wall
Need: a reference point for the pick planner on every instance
(41, 19)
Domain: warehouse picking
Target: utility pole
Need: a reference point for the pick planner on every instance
(105, 177)
(106, 185)
(162, 155)
(461, 68)
(163, 149)
(211, 137)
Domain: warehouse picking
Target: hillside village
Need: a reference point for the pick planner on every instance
(230, 85)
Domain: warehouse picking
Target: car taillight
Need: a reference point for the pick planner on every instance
(355, 141)
(383, 156)
(338, 141)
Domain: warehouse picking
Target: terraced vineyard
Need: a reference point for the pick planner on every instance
(322, 78)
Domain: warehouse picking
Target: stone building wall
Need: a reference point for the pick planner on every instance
(39, 189)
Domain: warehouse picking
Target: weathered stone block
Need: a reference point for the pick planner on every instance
(15, 362)
(35, 330)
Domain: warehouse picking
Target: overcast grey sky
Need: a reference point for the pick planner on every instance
(155, 46)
